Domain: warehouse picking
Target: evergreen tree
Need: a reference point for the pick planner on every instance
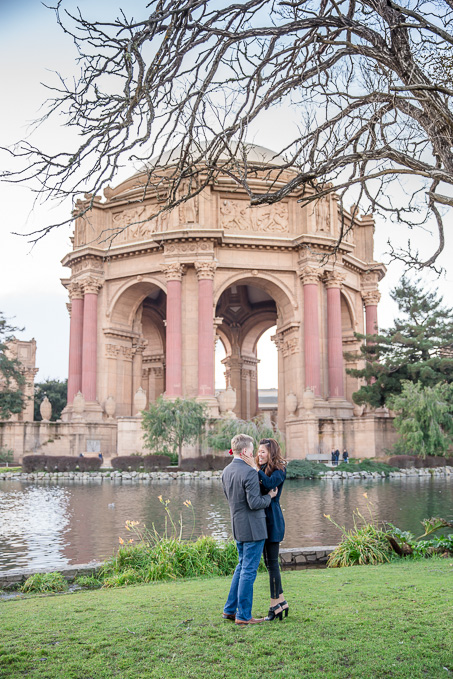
(56, 391)
(418, 348)
(425, 418)
(12, 380)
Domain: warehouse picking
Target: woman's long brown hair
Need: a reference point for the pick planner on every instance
(276, 460)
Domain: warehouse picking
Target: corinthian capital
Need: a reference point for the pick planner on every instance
(174, 271)
(371, 297)
(91, 284)
(334, 279)
(75, 291)
(205, 270)
(309, 275)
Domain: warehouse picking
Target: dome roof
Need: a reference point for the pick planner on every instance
(255, 154)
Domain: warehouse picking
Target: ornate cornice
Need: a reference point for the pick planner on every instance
(309, 275)
(334, 279)
(174, 271)
(371, 297)
(205, 270)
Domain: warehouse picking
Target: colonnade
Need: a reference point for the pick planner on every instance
(83, 331)
(83, 338)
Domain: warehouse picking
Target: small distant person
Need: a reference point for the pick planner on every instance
(100, 456)
(345, 456)
(333, 457)
(81, 455)
(337, 456)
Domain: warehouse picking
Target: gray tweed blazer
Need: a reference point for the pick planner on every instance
(242, 490)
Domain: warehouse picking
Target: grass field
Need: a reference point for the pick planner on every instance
(393, 620)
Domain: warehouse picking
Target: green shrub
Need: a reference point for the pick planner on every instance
(366, 466)
(45, 582)
(88, 581)
(219, 437)
(304, 469)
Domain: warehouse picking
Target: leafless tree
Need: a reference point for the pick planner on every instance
(367, 81)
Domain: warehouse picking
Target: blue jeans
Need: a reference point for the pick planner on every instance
(240, 598)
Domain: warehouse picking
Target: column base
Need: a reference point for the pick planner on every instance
(340, 408)
(212, 405)
(92, 413)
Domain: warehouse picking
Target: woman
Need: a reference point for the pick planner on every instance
(271, 468)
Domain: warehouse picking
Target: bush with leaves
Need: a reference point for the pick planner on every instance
(89, 464)
(204, 463)
(171, 424)
(425, 418)
(56, 391)
(34, 463)
(304, 469)
(6, 456)
(219, 437)
(124, 463)
(153, 462)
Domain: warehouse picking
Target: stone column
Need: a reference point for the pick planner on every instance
(75, 341)
(310, 278)
(205, 272)
(91, 287)
(371, 300)
(174, 273)
(138, 347)
(333, 281)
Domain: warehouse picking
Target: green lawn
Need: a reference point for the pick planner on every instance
(393, 620)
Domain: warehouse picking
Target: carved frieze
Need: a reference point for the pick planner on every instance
(188, 247)
(287, 343)
(237, 215)
(205, 270)
(115, 351)
(135, 223)
(92, 263)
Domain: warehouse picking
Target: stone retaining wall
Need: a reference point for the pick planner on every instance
(295, 557)
(115, 476)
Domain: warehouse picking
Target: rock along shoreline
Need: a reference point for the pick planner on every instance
(165, 475)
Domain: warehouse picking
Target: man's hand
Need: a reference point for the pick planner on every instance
(273, 492)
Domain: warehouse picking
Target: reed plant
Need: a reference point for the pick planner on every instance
(365, 543)
(43, 583)
(149, 556)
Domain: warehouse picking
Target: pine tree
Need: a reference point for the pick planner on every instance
(418, 348)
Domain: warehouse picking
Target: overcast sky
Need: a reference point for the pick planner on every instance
(31, 47)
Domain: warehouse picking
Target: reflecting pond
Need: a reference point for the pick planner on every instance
(47, 524)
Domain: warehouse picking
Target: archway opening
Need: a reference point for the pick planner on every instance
(247, 312)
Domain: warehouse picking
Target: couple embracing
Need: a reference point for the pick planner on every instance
(253, 486)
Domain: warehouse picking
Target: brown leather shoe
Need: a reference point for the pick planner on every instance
(252, 621)
(228, 616)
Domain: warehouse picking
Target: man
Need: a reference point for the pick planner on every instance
(248, 520)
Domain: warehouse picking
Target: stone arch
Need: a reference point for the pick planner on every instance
(347, 307)
(253, 335)
(281, 294)
(128, 298)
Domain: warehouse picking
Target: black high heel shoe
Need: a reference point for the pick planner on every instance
(272, 614)
(284, 610)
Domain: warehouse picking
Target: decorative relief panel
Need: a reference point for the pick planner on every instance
(114, 351)
(322, 215)
(187, 248)
(92, 263)
(236, 215)
(135, 223)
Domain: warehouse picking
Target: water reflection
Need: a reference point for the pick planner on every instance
(50, 525)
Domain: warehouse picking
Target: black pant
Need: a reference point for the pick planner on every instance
(270, 554)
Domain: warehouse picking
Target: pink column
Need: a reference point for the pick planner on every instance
(334, 335)
(205, 273)
(371, 300)
(89, 347)
(75, 341)
(310, 278)
(173, 273)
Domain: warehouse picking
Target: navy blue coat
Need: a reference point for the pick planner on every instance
(274, 515)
